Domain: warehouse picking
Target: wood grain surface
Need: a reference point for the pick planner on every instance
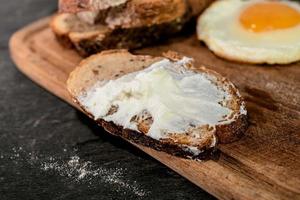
(264, 164)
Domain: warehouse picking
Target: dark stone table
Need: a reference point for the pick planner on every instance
(50, 151)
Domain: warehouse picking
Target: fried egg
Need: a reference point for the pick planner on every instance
(256, 31)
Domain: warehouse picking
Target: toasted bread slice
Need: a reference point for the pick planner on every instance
(197, 141)
(134, 32)
(131, 24)
(104, 7)
(122, 13)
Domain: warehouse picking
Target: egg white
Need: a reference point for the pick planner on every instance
(219, 27)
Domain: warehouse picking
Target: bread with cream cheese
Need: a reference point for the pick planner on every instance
(165, 103)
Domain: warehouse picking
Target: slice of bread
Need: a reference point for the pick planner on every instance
(134, 32)
(125, 13)
(106, 6)
(127, 24)
(195, 142)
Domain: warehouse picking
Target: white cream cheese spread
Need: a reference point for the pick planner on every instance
(175, 96)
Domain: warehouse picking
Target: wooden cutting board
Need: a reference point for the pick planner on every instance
(264, 164)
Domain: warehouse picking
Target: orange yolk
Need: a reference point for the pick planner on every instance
(268, 16)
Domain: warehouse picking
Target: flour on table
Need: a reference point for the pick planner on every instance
(85, 170)
(78, 170)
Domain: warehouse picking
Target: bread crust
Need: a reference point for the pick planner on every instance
(82, 78)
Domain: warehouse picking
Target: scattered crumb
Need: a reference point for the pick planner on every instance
(78, 170)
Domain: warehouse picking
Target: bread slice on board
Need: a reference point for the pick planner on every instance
(128, 14)
(135, 32)
(134, 24)
(196, 142)
(105, 7)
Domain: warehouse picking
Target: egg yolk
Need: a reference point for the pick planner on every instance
(268, 16)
